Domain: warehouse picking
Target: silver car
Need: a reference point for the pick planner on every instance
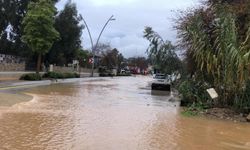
(161, 82)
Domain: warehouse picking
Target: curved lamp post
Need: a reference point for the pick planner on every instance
(93, 47)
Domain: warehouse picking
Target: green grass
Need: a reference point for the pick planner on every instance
(189, 113)
(194, 110)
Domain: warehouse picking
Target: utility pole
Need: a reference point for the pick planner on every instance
(94, 46)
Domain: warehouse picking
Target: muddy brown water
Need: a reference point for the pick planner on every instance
(111, 114)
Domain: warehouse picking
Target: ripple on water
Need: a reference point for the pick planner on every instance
(111, 114)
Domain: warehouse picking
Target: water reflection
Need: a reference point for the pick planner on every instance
(160, 93)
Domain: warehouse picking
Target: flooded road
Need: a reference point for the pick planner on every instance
(111, 114)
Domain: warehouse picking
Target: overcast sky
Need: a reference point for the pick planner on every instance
(125, 33)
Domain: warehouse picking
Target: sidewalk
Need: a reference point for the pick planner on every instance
(10, 80)
(14, 75)
(17, 84)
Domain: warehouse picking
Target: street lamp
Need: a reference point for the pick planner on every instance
(93, 47)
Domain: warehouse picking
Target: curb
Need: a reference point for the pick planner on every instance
(28, 84)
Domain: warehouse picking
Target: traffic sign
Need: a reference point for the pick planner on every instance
(91, 60)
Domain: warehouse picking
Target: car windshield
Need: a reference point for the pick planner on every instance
(160, 77)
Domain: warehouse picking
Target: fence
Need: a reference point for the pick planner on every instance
(11, 63)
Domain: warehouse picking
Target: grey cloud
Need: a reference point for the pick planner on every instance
(131, 17)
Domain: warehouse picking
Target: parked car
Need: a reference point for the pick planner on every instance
(161, 82)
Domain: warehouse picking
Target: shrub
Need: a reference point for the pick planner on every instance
(57, 75)
(194, 93)
(77, 75)
(242, 99)
(53, 75)
(185, 90)
(31, 77)
(105, 73)
(123, 75)
(71, 75)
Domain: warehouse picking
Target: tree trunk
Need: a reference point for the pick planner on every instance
(39, 59)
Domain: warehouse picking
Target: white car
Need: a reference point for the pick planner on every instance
(161, 82)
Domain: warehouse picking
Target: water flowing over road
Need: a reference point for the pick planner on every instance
(111, 114)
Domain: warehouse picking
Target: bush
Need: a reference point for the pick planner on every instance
(53, 75)
(185, 90)
(31, 77)
(71, 75)
(106, 75)
(123, 75)
(77, 75)
(242, 99)
(57, 75)
(194, 92)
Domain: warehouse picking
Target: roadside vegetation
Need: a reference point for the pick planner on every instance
(36, 31)
(216, 39)
(31, 77)
(48, 75)
(41, 35)
(57, 75)
(162, 53)
(39, 32)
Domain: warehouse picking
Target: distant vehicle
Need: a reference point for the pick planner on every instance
(125, 72)
(161, 82)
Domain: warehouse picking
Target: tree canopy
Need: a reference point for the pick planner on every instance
(216, 37)
(39, 31)
(12, 13)
(161, 53)
(110, 58)
(68, 24)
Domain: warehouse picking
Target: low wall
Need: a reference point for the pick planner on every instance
(84, 75)
(86, 70)
(11, 75)
(12, 67)
(8, 59)
(63, 69)
(71, 69)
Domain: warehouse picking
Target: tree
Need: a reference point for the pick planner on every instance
(102, 47)
(67, 23)
(120, 61)
(39, 31)
(110, 58)
(12, 13)
(82, 57)
(213, 39)
(140, 62)
(161, 53)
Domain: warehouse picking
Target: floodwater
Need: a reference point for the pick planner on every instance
(111, 114)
